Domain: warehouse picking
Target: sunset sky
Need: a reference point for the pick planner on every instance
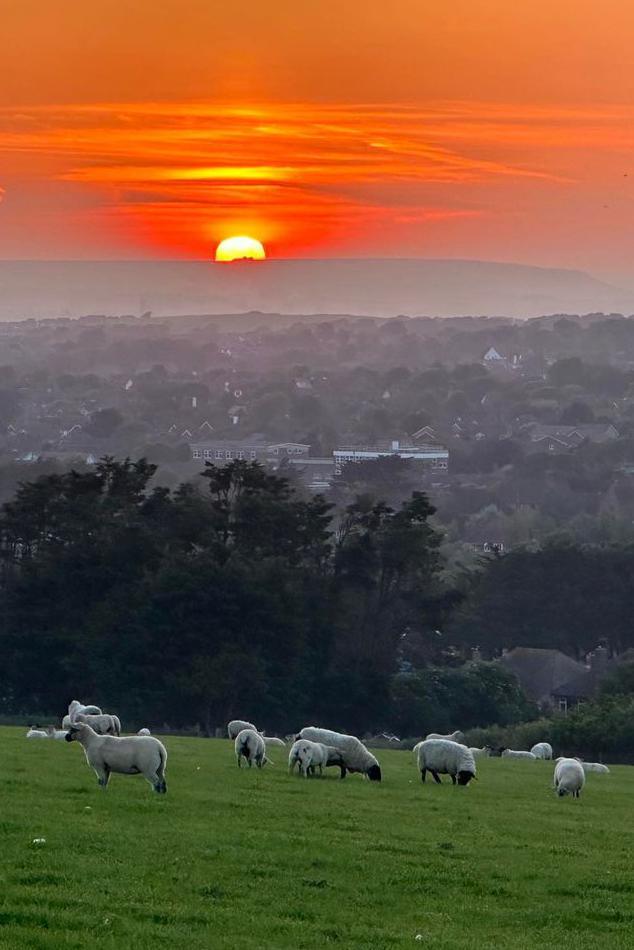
(478, 129)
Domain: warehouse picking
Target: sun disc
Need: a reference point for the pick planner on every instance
(240, 248)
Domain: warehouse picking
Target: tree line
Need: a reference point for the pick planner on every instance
(246, 598)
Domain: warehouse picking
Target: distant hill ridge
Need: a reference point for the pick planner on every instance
(373, 287)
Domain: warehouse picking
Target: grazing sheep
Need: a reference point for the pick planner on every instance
(250, 745)
(237, 725)
(104, 725)
(312, 755)
(273, 740)
(456, 736)
(356, 757)
(144, 732)
(518, 754)
(595, 767)
(130, 755)
(542, 750)
(35, 733)
(569, 777)
(445, 757)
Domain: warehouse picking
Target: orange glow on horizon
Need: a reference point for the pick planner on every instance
(479, 130)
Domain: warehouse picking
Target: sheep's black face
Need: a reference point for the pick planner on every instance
(374, 773)
(71, 735)
(464, 777)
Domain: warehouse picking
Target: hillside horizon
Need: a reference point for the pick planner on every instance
(370, 286)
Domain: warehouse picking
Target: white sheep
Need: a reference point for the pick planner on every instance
(595, 767)
(144, 732)
(314, 755)
(542, 750)
(249, 744)
(273, 740)
(103, 725)
(35, 733)
(237, 725)
(76, 707)
(356, 758)
(445, 757)
(128, 755)
(569, 777)
(518, 754)
(54, 733)
(456, 736)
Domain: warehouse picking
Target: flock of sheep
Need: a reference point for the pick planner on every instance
(438, 754)
(312, 749)
(106, 749)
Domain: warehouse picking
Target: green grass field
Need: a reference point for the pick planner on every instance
(247, 859)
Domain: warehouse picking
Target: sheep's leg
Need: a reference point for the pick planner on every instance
(436, 777)
(423, 774)
(343, 771)
(160, 785)
(239, 758)
(453, 779)
(103, 776)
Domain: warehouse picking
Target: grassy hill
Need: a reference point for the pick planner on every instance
(247, 859)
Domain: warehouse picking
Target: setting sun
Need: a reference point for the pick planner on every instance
(239, 249)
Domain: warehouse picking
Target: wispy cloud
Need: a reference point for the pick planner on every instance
(198, 170)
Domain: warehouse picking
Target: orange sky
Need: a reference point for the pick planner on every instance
(473, 128)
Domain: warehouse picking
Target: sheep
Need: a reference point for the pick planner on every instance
(273, 740)
(54, 733)
(35, 733)
(448, 758)
(542, 750)
(595, 767)
(356, 758)
(250, 745)
(237, 725)
(456, 736)
(144, 732)
(128, 755)
(518, 754)
(569, 777)
(104, 725)
(311, 755)
(76, 707)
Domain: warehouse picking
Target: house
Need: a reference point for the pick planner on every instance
(424, 434)
(435, 457)
(249, 450)
(554, 680)
(553, 438)
(540, 672)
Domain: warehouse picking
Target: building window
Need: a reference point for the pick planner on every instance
(218, 454)
(207, 453)
(276, 451)
(228, 454)
(253, 454)
(196, 453)
(563, 706)
(240, 454)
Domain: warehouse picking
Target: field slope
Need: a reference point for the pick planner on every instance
(247, 859)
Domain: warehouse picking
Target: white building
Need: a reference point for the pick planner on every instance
(435, 457)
